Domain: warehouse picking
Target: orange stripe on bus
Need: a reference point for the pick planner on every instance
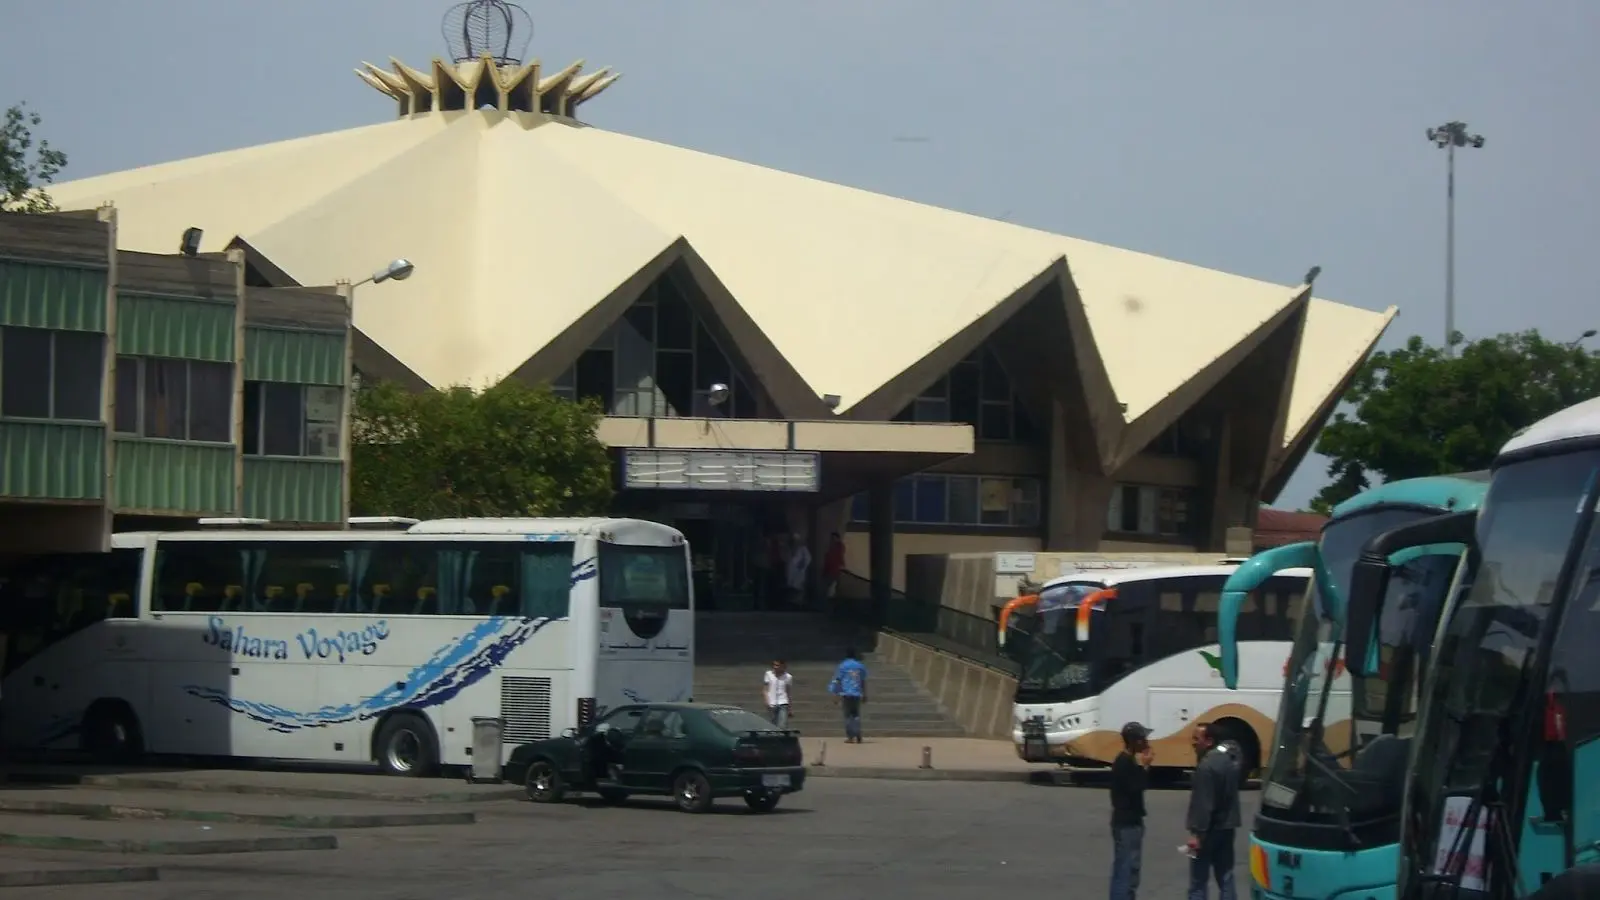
(1086, 606)
(1012, 605)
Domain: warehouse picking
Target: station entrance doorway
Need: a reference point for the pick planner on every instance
(738, 545)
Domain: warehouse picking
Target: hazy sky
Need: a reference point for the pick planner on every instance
(1258, 138)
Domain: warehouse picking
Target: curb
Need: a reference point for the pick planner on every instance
(51, 877)
(915, 774)
(115, 811)
(224, 845)
(126, 782)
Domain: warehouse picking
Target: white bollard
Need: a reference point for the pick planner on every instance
(927, 757)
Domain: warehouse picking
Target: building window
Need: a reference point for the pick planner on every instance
(283, 419)
(51, 374)
(976, 391)
(175, 399)
(967, 500)
(1150, 510)
(658, 360)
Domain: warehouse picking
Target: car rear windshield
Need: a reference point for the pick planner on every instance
(738, 721)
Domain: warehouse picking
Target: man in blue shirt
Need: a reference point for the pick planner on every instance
(849, 685)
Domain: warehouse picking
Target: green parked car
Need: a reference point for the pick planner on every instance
(692, 752)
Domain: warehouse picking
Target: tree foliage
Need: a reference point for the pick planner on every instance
(26, 166)
(512, 450)
(1419, 411)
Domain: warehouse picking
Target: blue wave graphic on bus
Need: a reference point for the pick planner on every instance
(452, 668)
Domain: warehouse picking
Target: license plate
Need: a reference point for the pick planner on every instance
(775, 781)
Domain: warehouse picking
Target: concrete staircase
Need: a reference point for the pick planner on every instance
(733, 650)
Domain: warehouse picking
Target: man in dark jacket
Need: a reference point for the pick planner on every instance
(1128, 780)
(1213, 815)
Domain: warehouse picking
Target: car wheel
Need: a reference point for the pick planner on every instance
(406, 746)
(691, 791)
(762, 801)
(612, 795)
(544, 784)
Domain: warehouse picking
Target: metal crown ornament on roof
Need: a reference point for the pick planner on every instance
(492, 28)
(487, 70)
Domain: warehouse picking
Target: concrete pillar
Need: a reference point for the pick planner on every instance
(1076, 494)
(880, 504)
(1220, 487)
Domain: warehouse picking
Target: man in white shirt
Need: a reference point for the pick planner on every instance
(775, 686)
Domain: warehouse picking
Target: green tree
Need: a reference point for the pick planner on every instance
(25, 167)
(512, 450)
(1419, 411)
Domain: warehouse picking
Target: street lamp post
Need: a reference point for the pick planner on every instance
(1573, 344)
(1451, 135)
(398, 270)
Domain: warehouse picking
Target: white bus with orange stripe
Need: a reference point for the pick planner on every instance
(1096, 651)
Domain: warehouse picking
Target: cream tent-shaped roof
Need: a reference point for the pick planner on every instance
(526, 225)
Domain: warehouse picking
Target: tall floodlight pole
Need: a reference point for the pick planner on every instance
(1451, 135)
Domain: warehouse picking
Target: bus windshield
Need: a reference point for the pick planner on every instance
(1054, 666)
(1527, 529)
(1325, 718)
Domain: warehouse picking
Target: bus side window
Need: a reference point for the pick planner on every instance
(546, 580)
(403, 578)
(1285, 602)
(301, 576)
(197, 576)
(491, 583)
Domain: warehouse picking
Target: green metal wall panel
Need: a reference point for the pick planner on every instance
(38, 295)
(172, 477)
(52, 460)
(293, 490)
(175, 327)
(297, 357)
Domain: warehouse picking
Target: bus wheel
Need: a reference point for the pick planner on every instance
(406, 746)
(1249, 748)
(111, 732)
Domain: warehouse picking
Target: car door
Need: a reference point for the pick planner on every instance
(610, 739)
(655, 750)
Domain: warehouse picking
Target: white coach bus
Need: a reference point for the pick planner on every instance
(1140, 645)
(343, 646)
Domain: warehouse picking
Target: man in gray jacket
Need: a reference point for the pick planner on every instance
(1213, 815)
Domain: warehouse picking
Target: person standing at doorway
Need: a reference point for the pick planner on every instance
(1129, 775)
(832, 566)
(775, 684)
(849, 685)
(1213, 816)
(799, 569)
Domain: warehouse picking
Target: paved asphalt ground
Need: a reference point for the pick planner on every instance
(840, 839)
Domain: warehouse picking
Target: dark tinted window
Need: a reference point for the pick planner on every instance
(304, 576)
(199, 576)
(78, 373)
(402, 578)
(25, 373)
(653, 577)
(46, 599)
(738, 721)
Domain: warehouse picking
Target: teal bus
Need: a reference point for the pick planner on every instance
(1328, 826)
(1502, 796)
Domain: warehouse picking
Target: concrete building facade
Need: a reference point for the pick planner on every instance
(777, 353)
(143, 388)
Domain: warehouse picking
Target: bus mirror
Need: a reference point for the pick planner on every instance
(1369, 581)
(1250, 576)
